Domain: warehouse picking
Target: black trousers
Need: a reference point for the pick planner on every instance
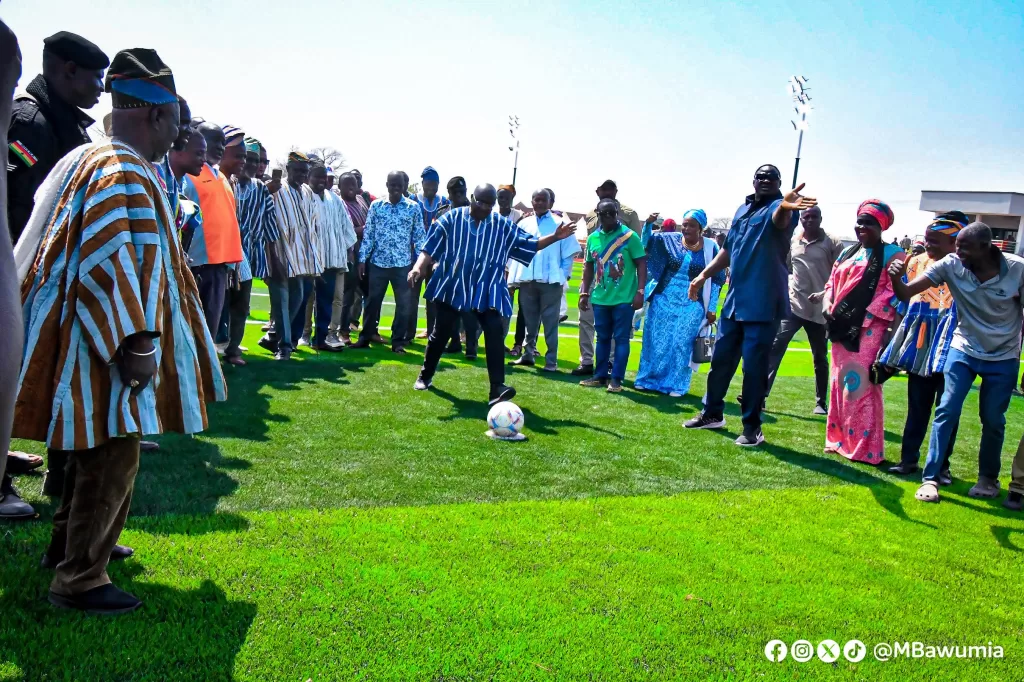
(212, 282)
(922, 394)
(446, 325)
(819, 351)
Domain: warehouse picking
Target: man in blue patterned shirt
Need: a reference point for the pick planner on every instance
(393, 232)
(471, 247)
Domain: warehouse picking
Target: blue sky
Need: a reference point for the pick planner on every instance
(679, 104)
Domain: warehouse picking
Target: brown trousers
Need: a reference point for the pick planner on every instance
(1017, 470)
(98, 487)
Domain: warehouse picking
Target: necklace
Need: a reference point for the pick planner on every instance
(698, 247)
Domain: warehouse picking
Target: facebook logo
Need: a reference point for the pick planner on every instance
(775, 650)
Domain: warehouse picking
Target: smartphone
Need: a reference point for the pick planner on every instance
(276, 174)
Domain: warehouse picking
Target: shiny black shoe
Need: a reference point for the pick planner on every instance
(102, 600)
(12, 507)
(904, 469)
(266, 343)
(584, 370)
(119, 553)
(500, 394)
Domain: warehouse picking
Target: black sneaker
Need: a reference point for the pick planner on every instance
(904, 469)
(1014, 501)
(267, 343)
(422, 384)
(103, 600)
(584, 370)
(945, 478)
(705, 421)
(500, 394)
(12, 507)
(750, 438)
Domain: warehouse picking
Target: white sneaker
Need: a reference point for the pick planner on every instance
(303, 340)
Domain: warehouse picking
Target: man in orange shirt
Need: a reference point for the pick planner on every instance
(217, 243)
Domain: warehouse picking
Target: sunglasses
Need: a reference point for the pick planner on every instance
(606, 213)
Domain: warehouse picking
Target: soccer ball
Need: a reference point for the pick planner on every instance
(506, 420)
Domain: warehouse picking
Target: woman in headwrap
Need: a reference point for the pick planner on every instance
(673, 320)
(860, 307)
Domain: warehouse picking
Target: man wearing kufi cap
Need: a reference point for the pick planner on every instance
(432, 204)
(108, 309)
(47, 120)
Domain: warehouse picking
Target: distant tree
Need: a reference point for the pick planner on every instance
(414, 188)
(720, 224)
(330, 156)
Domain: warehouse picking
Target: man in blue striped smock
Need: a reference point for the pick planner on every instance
(336, 238)
(470, 247)
(257, 222)
(297, 259)
(115, 342)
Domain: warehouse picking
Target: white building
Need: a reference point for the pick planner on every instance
(1002, 211)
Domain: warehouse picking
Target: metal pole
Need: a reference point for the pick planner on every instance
(515, 166)
(799, 144)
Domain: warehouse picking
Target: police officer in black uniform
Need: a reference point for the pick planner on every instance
(47, 120)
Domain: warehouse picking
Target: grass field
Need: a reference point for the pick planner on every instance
(335, 525)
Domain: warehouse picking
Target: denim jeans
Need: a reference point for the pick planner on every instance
(998, 379)
(287, 301)
(299, 291)
(923, 393)
(751, 341)
(323, 287)
(612, 323)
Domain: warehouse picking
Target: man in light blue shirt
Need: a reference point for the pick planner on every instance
(393, 232)
(540, 283)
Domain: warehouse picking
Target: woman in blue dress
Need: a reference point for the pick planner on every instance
(673, 320)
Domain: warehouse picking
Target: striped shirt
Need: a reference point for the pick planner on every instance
(296, 220)
(335, 231)
(110, 266)
(257, 221)
(471, 257)
(553, 265)
(393, 233)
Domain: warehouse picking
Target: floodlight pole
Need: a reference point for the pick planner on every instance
(515, 164)
(799, 145)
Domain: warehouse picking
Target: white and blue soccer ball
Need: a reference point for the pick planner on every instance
(506, 420)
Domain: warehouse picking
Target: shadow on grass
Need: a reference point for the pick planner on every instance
(177, 634)
(477, 410)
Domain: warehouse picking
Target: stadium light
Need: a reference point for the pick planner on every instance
(513, 130)
(798, 90)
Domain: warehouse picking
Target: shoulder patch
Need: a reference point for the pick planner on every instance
(22, 152)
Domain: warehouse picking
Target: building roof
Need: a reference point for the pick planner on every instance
(983, 203)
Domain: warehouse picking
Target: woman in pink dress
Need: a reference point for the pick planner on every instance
(859, 310)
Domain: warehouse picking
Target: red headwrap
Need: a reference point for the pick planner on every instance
(879, 210)
(669, 225)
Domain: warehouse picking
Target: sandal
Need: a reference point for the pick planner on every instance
(928, 492)
(22, 462)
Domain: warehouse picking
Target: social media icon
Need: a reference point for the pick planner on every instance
(828, 650)
(802, 651)
(855, 651)
(775, 650)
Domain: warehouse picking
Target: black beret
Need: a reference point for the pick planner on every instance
(457, 181)
(74, 48)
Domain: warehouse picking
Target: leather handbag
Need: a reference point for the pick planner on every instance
(704, 346)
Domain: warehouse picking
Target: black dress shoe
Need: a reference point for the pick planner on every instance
(102, 600)
(583, 370)
(148, 446)
(12, 507)
(266, 343)
(500, 394)
(119, 553)
(904, 469)
(361, 343)
(453, 348)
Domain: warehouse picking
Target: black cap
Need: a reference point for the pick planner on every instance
(609, 184)
(74, 48)
(139, 78)
(457, 181)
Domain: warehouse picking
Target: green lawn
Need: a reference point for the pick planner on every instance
(335, 525)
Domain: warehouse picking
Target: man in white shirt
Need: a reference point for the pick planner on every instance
(540, 283)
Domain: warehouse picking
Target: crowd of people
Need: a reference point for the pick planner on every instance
(135, 255)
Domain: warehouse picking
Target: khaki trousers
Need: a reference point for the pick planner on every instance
(97, 493)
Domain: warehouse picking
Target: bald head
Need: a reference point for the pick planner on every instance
(484, 198)
(397, 185)
(810, 220)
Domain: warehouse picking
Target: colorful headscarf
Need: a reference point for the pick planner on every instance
(233, 135)
(430, 174)
(252, 146)
(297, 157)
(669, 225)
(879, 210)
(949, 223)
(699, 215)
(510, 188)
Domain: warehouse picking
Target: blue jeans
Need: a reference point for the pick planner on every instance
(324, 291)
(287, 301)
(612, 322)
(998, 379)
(751, 341)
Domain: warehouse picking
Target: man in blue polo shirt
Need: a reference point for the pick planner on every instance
(758, 298)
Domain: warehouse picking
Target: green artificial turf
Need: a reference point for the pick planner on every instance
(333, 524)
